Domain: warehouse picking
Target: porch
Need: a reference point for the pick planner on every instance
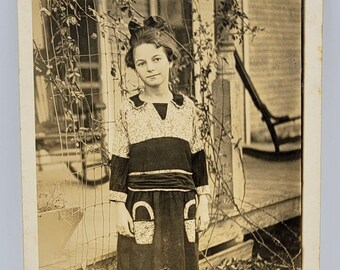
(272, 195)
(270, 190)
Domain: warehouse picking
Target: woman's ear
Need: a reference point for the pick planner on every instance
(171, 64)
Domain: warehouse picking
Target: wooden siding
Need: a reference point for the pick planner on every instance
(275, 58)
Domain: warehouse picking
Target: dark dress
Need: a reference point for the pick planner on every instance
(158, 167)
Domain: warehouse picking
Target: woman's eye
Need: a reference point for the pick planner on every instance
(157, 59)
(140, 64)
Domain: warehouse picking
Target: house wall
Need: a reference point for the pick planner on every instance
(275, 62)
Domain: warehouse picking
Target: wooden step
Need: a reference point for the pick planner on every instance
(242, 251)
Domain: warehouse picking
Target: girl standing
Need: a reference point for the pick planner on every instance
(159, 183)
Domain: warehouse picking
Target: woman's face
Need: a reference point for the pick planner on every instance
(152, 65)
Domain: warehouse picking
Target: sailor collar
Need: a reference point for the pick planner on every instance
(177, 100)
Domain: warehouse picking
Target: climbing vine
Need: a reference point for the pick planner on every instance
(61, 69)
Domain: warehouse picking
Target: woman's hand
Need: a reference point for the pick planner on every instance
(124, 223)
(202, 213)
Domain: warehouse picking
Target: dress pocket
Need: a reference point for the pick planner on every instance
(144, 229)
(190, 223)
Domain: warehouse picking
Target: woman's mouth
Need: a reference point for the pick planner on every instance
(152, 76)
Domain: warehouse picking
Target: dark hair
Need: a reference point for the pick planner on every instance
(151, 35)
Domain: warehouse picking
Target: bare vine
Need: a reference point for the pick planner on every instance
(64, 74)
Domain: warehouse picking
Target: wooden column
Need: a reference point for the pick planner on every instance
(247, 98)
(228, 111)
(42, 110)
(202, 12)
(110, 91)
(153, 7)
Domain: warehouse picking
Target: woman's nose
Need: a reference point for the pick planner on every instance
(150, 66)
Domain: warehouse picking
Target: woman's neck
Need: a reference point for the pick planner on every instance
(158, 95)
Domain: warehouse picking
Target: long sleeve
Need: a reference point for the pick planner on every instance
(199, 172)
(119, 161)
(198, 158)
(119, 171)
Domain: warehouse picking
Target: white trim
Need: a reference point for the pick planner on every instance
(203, 190)
(145, 205)
(160, 172)
(117, 196)
(158, 189)
(312, 134)
(187, 207)
(27, 123)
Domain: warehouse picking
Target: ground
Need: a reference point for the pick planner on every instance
(288, 234)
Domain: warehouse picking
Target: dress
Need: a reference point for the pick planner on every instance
(158, 167)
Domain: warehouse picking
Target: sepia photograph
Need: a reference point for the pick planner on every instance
(167, 134)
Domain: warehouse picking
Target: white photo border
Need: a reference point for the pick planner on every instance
(311, 132)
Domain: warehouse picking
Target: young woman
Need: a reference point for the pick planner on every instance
(159, 182)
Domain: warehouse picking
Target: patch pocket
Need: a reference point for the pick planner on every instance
(189, 222)
(144, 229)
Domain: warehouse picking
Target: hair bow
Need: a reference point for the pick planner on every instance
(158, 23)
(153, 21)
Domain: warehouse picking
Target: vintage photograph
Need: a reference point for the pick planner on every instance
(168, 134)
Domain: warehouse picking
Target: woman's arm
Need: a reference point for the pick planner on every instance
(202, 188)
(118, 195)
(124, 223)
(202, 213)
(200, 175)
(118, 180)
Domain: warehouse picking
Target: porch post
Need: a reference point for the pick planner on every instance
(228, 131)
(111, 95)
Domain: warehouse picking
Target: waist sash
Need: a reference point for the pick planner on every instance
(161, 181)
